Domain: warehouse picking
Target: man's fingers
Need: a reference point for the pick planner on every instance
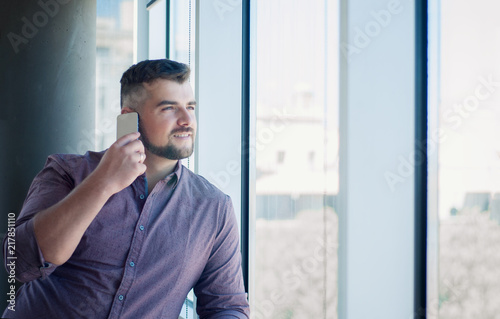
(134, 147)
(127, 138)
(129, 145)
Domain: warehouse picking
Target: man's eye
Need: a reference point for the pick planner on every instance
(166, 108)
(190, 107)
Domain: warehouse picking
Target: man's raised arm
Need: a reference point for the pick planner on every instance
(58, 229)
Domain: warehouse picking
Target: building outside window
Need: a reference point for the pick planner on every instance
(466, 97)
(296, 147)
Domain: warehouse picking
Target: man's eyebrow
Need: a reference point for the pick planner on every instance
(167, 102)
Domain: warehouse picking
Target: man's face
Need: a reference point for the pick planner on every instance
(167, 119)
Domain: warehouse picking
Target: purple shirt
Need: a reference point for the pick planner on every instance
(141, 254)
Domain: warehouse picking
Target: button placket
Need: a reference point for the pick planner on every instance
(135, 247)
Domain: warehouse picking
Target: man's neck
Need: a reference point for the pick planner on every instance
(157, 168)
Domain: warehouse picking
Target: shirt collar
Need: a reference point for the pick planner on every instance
(176, 174)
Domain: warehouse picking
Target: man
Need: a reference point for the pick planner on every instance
(126, 233)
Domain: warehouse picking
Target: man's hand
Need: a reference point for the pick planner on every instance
(122, 163)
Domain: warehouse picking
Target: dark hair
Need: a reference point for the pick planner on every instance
(149, 70)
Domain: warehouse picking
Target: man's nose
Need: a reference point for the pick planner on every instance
(185, 117)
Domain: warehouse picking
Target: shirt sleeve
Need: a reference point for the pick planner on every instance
(220, 290)
(50, 186)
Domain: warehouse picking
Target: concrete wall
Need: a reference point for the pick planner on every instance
(47, 92)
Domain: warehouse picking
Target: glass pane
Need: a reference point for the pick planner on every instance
(469, 159)
(188, 308)
(182, 45)
(296, 147)
(182, 32)
(157, 15)
(114, 54)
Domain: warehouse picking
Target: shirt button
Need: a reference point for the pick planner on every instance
(141, 227)
(132, 264)
(120, 297)
(142, 196)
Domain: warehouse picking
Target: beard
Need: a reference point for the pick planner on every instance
(168, 151)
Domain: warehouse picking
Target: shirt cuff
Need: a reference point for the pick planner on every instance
(31, 262)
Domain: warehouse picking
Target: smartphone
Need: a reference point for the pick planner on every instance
(127, 123)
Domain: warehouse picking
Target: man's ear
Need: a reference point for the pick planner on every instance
(126, 110)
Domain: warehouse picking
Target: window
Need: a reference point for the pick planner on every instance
(182, 45)
(308, 256)
(465, 78)
(296, 67)
(158, 27)
(114, 54)
(182, 32)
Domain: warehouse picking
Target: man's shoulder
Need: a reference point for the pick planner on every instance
(200, 185)
(76, 162)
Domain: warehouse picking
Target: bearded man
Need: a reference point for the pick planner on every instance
(128, 232)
